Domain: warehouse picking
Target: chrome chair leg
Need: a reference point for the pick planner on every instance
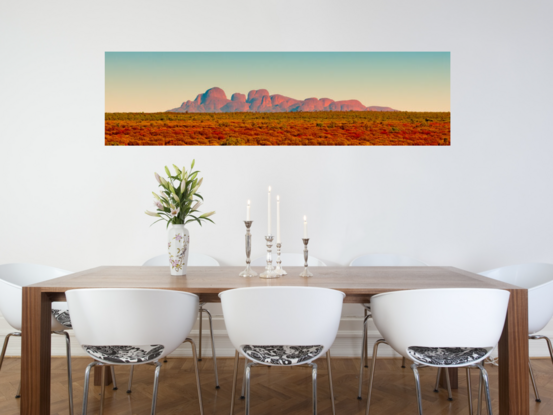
(18, 394)
(199, 386)
(449, 395)
(113, 378)
(363, 356)
(243, 394)
(418, 386)
(234, 378)
(330, 382)
(533, 381)
(373, 365)
(448, 383)
(69, 376)
(314, 381)
(4, 348)
(156, 384)
(213, 348)
(200, 335)
(86, 386)
(247, 377)
(479, 409)
(469, 390)
(484, 374)
(129, 390)
(366, 339)
(436, 387)
(102, 389)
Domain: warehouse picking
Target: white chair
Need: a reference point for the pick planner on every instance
(538, 279)
(411, 326)
(136, 327)
(195, 259)
(277, 326)
(12, 279)
(289, 260)
(381, 260)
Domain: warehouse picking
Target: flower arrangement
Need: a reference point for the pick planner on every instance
(179, 200)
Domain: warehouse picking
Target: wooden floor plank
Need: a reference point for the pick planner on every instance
(275, 391)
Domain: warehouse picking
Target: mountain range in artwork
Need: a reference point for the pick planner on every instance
(215, 100)
(308, 99)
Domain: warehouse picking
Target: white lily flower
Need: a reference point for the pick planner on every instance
(174, 212)
(158, 205)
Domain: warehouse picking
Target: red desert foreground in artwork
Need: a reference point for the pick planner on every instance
(263, 119)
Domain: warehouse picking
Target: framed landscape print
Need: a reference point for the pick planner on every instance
(277, 98)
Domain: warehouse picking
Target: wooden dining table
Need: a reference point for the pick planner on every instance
(358, 283)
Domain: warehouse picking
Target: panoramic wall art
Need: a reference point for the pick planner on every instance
(277, 99)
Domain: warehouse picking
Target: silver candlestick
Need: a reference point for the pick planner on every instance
(305, 273)
(278, 268)
(248, 272)
(269, 269)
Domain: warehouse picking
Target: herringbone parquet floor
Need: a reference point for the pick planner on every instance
(275, 391)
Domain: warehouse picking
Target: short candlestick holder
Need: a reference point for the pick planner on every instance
(269, 269)
(278, 268)
(248, 272)
(305, 273)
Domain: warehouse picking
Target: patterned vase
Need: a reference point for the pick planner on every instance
(178, 245)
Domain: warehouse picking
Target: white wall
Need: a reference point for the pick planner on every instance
(484, 202)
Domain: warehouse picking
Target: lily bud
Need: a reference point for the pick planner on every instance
(182, 186)
(167, 171)
(193, 162)
(207, 215)
(176, 197)
(163, 181)
(158, 178)
(197, 205)
(155, 215)
(177, 169)
(156, 196)
(200, 182)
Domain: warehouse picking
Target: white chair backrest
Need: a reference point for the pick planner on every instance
(385, 260)
(289, 260)
(284, 316)
(132, 317)
(538, 279)
(194, 260)
(13, 277)
(448, 317)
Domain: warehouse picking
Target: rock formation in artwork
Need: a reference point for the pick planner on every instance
(215, 100)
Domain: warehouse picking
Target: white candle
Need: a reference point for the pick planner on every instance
(248, 211)
(305, 227)
(278, 219)
(269, 213)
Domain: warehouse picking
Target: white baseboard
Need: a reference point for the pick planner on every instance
(347, 344)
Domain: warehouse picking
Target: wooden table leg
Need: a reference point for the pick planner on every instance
(98, 376)
(514, 389)
(35, 352)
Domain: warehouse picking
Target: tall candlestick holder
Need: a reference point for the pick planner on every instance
(248, 272)
(305, 273)
(269, 269)
(278, 268)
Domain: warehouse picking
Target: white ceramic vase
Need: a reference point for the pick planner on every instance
(178, 245)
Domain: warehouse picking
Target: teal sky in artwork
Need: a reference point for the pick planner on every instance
(158, 81)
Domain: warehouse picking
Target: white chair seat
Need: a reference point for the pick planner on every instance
(62, 317)
(446, 356)
(282, 355)
(125, 354)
